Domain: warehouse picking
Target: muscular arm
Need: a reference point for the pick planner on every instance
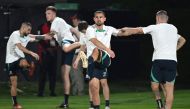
(130, 31)
(99, 44)
(25, 50)
(75, 32)
(39, 37)
(103, 47)
(181, 42)
(22, 48)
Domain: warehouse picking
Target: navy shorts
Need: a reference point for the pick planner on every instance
(163, 71)
(13, 68)
(100, 73)
(100, 70)
(67, 58)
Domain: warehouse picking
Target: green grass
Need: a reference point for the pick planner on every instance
(123, 99)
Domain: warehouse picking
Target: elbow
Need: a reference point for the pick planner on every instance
(184, 41)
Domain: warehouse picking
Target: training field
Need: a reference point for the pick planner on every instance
(119, 100)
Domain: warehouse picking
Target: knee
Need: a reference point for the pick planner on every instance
(104, 84)
(155, 87)
(94, 88)
(23, 63)
(65, 49)
(95, 53)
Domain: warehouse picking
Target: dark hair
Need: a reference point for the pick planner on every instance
(83, 25)
(52, 8)
(97, 12)
(76, 16)
(26, 24)
(162, 12)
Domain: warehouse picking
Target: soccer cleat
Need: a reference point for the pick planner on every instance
(90, 108)
(84, 59)
(64, 106)
(107, 107)
(17, 106)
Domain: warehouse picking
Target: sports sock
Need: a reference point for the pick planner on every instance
(96, 106)
(91, 104)
(14, 99)
(107, 102)
(159, 103)
(66, 98)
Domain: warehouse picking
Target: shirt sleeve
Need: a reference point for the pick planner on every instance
(69, 26)
(148, 29)
(114, 31)
(178, 36)
(15, 38)
(55, 26)
(30, 38)
(82, 39)
(90, 33)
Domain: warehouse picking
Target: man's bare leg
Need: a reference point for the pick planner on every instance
(169, 95)
(106, 91)
(94, 86)
(156, 91)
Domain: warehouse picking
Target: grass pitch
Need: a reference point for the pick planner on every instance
(121, 99)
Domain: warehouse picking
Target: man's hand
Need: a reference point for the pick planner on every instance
(36, 56)
(111, 53)
(47, 37)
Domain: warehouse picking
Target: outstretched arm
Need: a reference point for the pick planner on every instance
(181, 42)
(126, 31)
(40, 37)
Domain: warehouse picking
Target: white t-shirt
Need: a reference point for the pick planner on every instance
(165, 37)
(103, 36)
(83, 39)
(63, 30)
(13, 53)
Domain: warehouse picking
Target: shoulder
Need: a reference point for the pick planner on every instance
(91, 28)
(172, 26)
(110, 27)
(152, 26)
(58, 19)
(15, 34)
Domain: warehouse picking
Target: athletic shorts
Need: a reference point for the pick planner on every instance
(100, 70)
(100, 73)
(163, 71)
(67, 58)
(13, 68)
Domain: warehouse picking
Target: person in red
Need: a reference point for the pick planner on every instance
(47, 50)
